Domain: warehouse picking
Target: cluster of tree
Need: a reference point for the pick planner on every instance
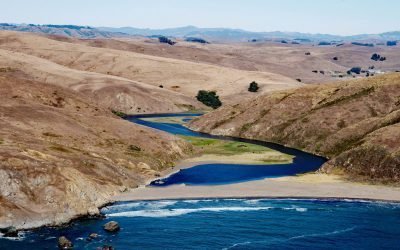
(209, 98)
(196, 40)
(253, 87)
(163, 39)
(377, 57)
(363, 44)
(356, 70)
(73, 27)
(324, 43)
(391, 43)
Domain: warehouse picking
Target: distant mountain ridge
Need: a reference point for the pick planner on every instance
(211, 34)
(244, 35)
(84, 32)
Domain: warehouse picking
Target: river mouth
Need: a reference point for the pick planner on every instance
(225, 173)
(230, 223)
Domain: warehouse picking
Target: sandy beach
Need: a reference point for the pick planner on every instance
(305, 186)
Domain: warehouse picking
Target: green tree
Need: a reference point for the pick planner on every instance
(253, 87)
(209, 98)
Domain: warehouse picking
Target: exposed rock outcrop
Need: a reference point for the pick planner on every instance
(111, 226)
(64, 243)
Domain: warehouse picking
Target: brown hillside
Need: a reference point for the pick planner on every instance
(355, 123)
(62, 156)
(285, 59)
(175, 75)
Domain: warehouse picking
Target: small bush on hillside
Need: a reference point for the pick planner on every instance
(253, 87)
(363, 44)
(164, 39)
(335, 58)
(209, 98)
(377, 57)
(196, 40)
(356, 70)
(324, 43)
(119, 113)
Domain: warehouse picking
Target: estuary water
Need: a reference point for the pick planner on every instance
(216, 174)
(230, 223)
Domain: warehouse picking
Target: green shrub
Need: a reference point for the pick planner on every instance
(253, 87)
(209, 98)
(119, 113)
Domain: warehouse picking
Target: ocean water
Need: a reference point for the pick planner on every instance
(232, 224)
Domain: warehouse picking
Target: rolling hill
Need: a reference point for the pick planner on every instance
(179, 78)
(356, 124)
(62, 155)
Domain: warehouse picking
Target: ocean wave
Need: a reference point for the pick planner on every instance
(124, 206)
(340, 231)
(182, 211)
(197, 201)
(133, 205)
(253, 201)
(21, 237)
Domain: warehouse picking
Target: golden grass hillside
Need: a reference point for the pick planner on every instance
(180, 76)
(356, 124)
(62, 156)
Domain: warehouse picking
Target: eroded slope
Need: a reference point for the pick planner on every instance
(61, 155)
(355, 123)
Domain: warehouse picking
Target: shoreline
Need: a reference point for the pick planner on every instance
(296, 187)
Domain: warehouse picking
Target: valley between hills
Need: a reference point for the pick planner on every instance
(65, 151)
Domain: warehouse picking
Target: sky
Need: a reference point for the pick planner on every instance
(339, 17)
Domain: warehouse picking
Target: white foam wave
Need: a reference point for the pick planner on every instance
(183, 211)
(252, 202)
(197, 201)
(124, 206)
(237, 244)
(21, 237)
(324, 234)
(298, 209)
(133, 205)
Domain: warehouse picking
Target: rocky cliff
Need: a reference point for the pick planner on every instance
(356, 124)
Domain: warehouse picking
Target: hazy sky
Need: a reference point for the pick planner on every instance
(315, 16)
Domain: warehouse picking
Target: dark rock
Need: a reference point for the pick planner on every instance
(64, 243)
(105, 247)
(111, 226)
(9, 232)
